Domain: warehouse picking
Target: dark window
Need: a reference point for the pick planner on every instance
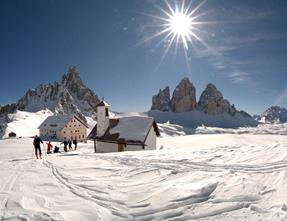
(107, 112)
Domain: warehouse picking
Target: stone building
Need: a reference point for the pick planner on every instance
(63, 127)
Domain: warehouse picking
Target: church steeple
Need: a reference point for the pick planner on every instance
(102, 118)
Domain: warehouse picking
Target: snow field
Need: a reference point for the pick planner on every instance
(196, 177)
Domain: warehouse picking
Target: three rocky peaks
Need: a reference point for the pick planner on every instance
(183, 99)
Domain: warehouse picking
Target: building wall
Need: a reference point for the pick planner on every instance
(102, 120)
(133, 148)
(151, 140)
(103, 147)
(150, 144)
(74, 129)
(48, 133)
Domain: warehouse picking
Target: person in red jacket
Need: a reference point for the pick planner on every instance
(49, 147)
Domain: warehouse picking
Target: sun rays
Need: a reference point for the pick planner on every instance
(178, 26)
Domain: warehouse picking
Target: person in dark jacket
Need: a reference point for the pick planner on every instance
(56, 150)
(65, 145)
(37, 145)
(70, 144)
(75, 142)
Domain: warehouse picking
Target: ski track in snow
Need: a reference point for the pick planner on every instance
(117, 205)
(7, 187)
(219, 182)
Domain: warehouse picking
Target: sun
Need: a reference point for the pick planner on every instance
(178, 24)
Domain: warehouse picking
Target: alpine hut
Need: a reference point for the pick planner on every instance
(122, 134)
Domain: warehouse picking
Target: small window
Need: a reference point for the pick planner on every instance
(107, 112)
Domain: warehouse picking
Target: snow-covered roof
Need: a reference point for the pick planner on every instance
(58, 122)
(127, 130)
(103, 104)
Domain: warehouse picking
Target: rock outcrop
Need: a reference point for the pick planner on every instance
(274, 114)
(161, 101)
(183, 98)
(70, 96)
(211, 101)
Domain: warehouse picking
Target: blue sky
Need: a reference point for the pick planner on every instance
(244, 52)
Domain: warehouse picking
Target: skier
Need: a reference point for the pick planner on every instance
(65, 145)
(75, 142)
(70, 144)
(36, 143)
(49, 147)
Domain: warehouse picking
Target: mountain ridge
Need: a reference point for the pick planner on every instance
(69, 96)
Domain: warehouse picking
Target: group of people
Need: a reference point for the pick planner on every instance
(69, 143)
(37, 145)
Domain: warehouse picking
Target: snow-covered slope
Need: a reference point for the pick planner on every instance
(25, 124)
(168, 129)
(196, 118)
(199, 177)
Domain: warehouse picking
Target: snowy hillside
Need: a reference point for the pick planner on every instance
(168, 129)
(25, 124)
(198, 177)
(196, 118)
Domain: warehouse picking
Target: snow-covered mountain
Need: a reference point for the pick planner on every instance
(70, 95)
(211, 109)
(274, 114)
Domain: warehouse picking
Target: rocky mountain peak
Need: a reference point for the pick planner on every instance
(211, 101)
(184, 97)
(161, 101)
(274, 114)
(70, 96)
(72, 77)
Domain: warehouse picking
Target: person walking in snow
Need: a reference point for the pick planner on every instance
(37, 142)
(65, 145)
(70, 144)
(75, 142)
(49, 147)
